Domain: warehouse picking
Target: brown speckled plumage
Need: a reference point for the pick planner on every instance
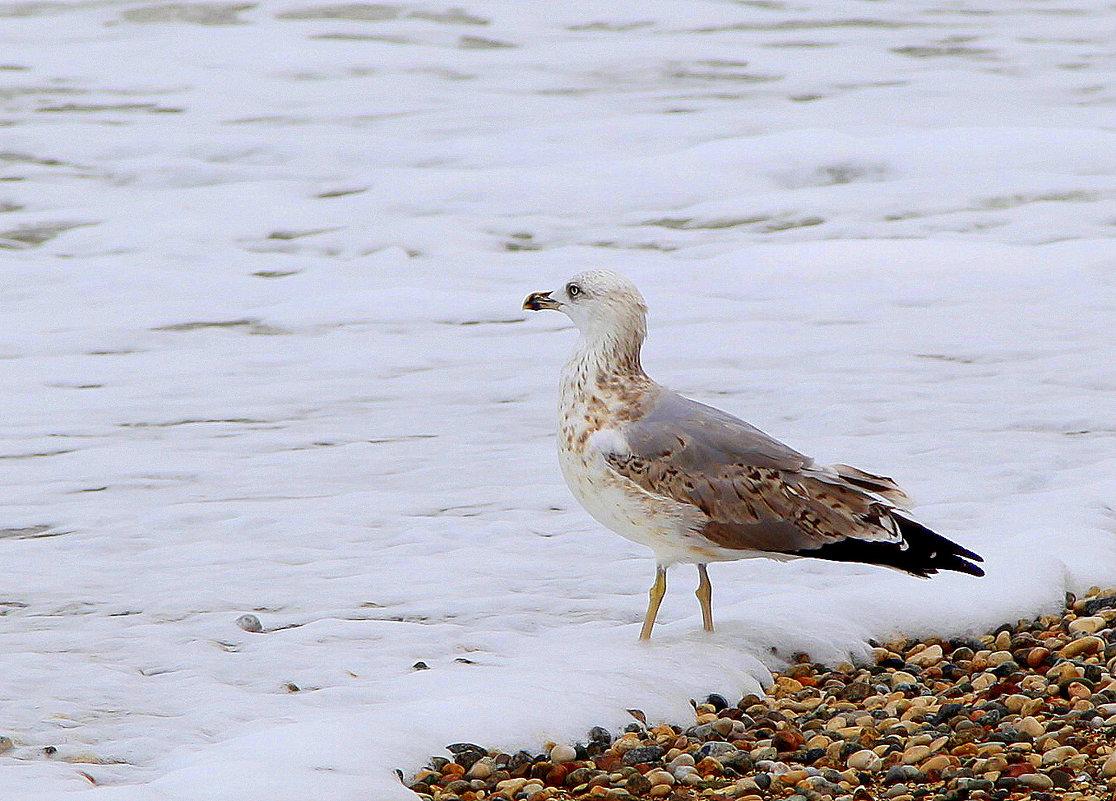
(752, 508)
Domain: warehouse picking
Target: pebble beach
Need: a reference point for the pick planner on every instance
(1025, 711)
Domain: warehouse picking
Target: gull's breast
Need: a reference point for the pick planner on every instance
(666, 526)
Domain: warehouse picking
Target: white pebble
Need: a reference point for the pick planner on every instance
(865, 760)
(1089, 625)
(681, 771)
(1032, 726)
(563, 753)
(682, 759)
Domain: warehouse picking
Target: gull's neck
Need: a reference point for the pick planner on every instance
(604, 364)
(614, 351)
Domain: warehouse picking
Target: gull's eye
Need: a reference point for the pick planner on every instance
(573, 290)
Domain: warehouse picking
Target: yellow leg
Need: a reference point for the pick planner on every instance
(705, 598)
(658, 590)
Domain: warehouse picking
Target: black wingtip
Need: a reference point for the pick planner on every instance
(922, 553)
(938, 552)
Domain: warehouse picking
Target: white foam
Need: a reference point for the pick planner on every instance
(279, 364)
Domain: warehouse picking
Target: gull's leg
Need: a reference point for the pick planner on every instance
(658, 590)
(705, 597)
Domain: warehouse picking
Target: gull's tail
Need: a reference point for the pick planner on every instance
(883, 486)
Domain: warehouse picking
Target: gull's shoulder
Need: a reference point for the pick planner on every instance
(700, 437)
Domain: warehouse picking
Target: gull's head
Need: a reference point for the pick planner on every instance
(601, 303)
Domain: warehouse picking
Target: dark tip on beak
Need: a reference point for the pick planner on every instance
(537, 301)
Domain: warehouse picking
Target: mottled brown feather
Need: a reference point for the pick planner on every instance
(759, 508)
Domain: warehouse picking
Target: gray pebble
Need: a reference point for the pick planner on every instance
(717, 750)
(599, 734)
(903, 773)
(648, 753)
(638, 784)
(250, 623)
(1036, 781)
(702, 732)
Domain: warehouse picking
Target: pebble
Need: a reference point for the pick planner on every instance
(681, 771)
(250, 623)
(936, 763)
(636, 756)
(599, 734)
(900, 677)
(928, 657)
(1025, 712)
(1037, 656)
(1078, 691)
(683, 760)
(1058, 754)
(563, 753)
(481, 769)
(1061, 779)
(1083, 645)
(865, 760)
(1036, 781)
(1031, 726)
(915, 754)
(999, 658)
(1063, 672)
(902, 773)
(511, 786)
(1089, 625)
(717, 750)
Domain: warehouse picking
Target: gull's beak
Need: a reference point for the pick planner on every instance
(537, 301)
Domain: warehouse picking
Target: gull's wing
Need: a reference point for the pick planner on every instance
(756, 494)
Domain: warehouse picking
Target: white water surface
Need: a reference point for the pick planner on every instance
(263, 353)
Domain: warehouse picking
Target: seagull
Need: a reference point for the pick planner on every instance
(697, 485)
